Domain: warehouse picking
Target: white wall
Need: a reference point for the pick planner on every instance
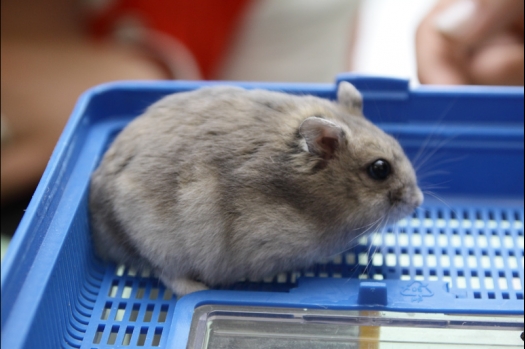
(309, 40)
(386, 37)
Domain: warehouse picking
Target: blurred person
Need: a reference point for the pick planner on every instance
(53, 50)
(472, 42)
(47, 61)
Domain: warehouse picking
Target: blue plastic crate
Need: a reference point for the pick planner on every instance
(462, 252)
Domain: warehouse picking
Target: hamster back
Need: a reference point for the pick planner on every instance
(218, 184)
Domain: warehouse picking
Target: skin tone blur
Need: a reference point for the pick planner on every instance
(47, 62)
(477, 42)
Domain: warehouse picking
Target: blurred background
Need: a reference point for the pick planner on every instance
(385, 42)
(53, 50)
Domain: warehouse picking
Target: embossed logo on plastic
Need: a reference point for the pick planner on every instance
(417, 290)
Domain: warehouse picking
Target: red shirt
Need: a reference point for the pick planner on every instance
(205, 27)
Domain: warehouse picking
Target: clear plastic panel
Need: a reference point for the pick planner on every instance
(226, 327)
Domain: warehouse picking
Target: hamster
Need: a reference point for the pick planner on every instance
(219, 184)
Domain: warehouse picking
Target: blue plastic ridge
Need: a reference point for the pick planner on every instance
(82, 311)
(372, 293)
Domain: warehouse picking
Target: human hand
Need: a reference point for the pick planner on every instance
(472, 42)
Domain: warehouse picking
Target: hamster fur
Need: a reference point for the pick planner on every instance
(215, 185)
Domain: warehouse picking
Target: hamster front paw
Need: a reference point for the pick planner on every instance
(182, 286)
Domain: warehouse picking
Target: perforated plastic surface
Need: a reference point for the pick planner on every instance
(478, 251)
(462, 252)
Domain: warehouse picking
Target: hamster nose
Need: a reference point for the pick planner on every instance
(418, 197)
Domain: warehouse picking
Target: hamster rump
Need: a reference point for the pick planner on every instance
(221, 183)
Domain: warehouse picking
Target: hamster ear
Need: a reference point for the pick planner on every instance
(322, 137)
(350, 98)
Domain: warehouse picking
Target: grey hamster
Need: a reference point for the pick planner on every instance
(215, 185)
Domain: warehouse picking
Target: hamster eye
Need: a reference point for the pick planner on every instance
(379, 170)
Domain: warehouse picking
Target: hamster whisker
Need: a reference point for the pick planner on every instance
(434, 195)
(376, 225)
(370, 227)
(372, 242)
(418, 209)
(349, 245)
(432, 173)
(434, 185)
(372, 245)
(434, 132)
(428, 173)
(425, 143)
(447, 161)
(423, 147)
(438, 147)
